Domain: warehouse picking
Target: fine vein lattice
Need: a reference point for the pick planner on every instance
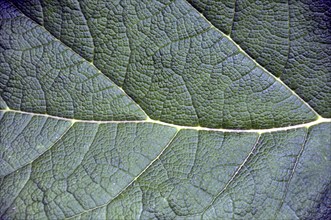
(164, 110)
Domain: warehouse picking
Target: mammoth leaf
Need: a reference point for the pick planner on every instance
(165, 109)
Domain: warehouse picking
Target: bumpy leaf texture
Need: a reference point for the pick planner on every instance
(165, 109)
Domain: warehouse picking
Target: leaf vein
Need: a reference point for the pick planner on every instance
(235, 174)
(292, 173)
(148, 120)
(134, 180)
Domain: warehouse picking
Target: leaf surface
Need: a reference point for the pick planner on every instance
(147, 110)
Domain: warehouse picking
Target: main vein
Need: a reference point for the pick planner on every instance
(178, 127)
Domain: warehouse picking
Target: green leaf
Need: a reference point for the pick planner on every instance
(164, 109)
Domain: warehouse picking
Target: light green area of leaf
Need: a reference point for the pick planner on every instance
(146, 110)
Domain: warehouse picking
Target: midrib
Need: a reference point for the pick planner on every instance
(178, 127)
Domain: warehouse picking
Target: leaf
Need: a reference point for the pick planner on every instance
(147, 110)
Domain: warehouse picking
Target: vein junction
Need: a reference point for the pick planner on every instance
(178, 127)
